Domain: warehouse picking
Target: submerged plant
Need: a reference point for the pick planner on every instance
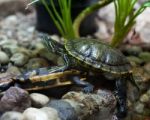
(125, 18)
(87, 11)
(63, 21)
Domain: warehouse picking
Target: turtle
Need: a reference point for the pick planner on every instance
(38, 79)
(92, 55)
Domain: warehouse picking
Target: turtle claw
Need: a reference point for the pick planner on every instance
(121, 113)
(26, 76)
(88, 89)
(22, 78)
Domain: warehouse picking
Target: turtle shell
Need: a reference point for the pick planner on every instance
(98, 55)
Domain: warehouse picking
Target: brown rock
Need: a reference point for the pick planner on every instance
(15, 99)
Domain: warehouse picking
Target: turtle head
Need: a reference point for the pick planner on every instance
(53, 46)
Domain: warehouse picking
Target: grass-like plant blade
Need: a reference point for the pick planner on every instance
(86, 12)
(125, 18)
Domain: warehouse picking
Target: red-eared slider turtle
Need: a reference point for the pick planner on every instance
(35, 80)
(92, 55)
(38, 79)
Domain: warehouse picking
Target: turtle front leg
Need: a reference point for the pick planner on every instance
(27, 75)
(58, 49)
(87, 87)
(63, 67)
(44, 71)
(121, 96)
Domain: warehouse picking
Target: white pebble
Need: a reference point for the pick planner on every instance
(51, 113)
(39, 100)
(40, 114)
(11, 116)
(34, 114)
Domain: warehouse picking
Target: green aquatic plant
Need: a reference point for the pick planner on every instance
(87, 11)
(63, 21)
(125, 18)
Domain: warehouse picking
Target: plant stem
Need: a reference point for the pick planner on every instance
(62, 19)
(56, 22)
(125, 16)
(119, 36)
(86, 12)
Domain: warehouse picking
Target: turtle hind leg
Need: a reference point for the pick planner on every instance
(87, 87)
(121, 96)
